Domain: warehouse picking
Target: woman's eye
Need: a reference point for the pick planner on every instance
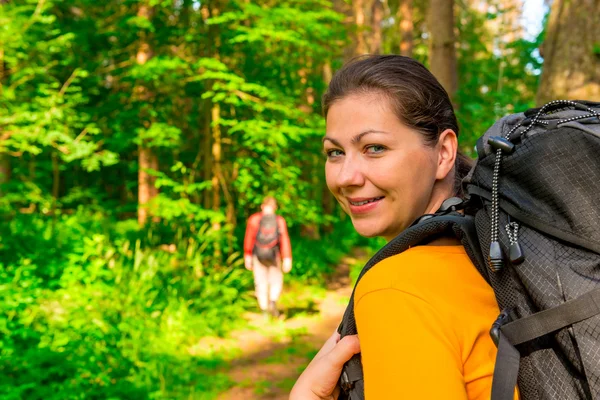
(375, 149)
(332, 153)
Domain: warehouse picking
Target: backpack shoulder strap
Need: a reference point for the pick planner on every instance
(424, 231)
(277, 230)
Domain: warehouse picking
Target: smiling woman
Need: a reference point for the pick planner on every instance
(365, 142)
(392, 141)
(422, 315)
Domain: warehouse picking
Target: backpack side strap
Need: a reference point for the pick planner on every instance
(534, 326)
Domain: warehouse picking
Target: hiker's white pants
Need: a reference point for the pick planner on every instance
(268, 282)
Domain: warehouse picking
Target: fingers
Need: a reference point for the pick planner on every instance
(329, 344)
(319, 380)
(344, 350)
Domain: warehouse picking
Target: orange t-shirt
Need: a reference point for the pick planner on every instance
(423, 319)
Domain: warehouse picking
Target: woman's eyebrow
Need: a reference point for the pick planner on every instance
(332, 140)
(356, 139)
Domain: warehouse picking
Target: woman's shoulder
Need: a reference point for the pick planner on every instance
(431, 271)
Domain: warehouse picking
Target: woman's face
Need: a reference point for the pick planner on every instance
(380, 171)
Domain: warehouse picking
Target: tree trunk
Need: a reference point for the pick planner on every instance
(216, 170)
(405, 16)
(144, 185)
(146, 158)
(216, 156)
(5, 170)
(152, 179)
(309, 92)
(571, 52)
(376, 20)
(206, 148)
(327, 72)
(55, 177)
(1, 70)
(359, 20)
(442, 51)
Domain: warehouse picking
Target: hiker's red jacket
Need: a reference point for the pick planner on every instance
(285, 247)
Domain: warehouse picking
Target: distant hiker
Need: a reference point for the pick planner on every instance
(268, 254)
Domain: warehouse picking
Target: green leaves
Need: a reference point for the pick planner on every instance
(159, 135)
(223, 99)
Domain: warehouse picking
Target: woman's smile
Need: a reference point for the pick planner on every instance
(362, 205)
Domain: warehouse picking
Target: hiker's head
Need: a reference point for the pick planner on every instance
(269, 205)
(391, 143)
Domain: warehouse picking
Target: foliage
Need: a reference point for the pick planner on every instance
(105, 314)
(495, 78)
(223, 99)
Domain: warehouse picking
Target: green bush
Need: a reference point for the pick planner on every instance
(314, 259)
(89, 313)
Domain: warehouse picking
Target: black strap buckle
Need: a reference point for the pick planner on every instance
(502, 319)
(345, 382)
(449, 205)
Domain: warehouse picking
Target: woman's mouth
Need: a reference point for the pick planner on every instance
(363, 205)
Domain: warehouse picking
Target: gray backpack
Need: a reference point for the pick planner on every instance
(531, 226)
(266, 246)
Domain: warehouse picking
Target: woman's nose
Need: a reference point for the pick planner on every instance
(350, 174)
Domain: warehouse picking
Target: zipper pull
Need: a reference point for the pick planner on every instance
(515, 254)
(495, 259)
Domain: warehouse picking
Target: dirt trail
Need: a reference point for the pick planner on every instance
(269, 363)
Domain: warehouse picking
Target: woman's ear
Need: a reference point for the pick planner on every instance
(447, 147)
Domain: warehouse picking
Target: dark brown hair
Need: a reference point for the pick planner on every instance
(417, 98)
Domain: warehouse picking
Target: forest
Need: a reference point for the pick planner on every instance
(137, 137)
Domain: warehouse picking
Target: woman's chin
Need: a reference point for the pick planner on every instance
(367, 230)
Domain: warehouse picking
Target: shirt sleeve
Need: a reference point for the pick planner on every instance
(406, 351)
(250, 237)
(284, 240)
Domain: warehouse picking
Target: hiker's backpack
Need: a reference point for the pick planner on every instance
(266, 245)
(531, 226)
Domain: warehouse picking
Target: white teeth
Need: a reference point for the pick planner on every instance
(360, 203)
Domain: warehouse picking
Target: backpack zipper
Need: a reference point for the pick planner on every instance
(502, 145)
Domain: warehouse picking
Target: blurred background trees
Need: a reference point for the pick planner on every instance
(137, 136)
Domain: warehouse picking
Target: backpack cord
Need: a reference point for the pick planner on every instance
(496, 259)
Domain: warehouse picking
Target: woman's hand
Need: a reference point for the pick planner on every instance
(319, 380)
(248, 262)
(287, 265)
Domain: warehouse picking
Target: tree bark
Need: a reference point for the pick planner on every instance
(327, 72)
(144, 191)
(206, 148)
(571, 52)
(5, 169)
(1, 69)
(216, 171)
(309, 92)
(146, 159)
(55, 177)
(216, 156)
(359, 19)
(442, 51)
(376, 20)
(405, 16)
